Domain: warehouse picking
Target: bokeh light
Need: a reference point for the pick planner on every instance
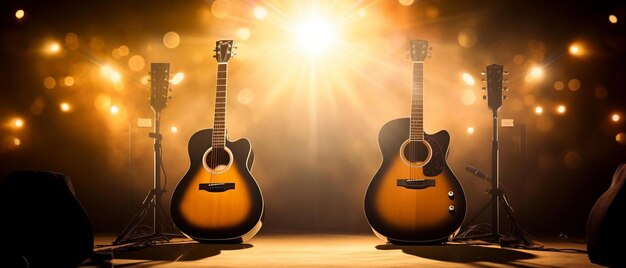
(19, 14)
(65, 107)
(171, 39)
(16, 141)
(470, 130)
(573, 84)
(538, 110)
(615, 117)
(245, 96)
(71, 41)
(68, 81)
(576, 49)
(114, 109)
(468, 79)
(174, 129)
(243, 33)
(621, 138)
(136, 63)
(467, 38)
(613, 19)
(561, 109)
(17, 123)
(536, 72)
(559, 85)
(406, 2)
(178, 78)
(259, 12)
(111, 73)
(49, 82)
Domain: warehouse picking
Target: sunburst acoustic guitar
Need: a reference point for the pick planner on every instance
(218, 200)
(414, 198)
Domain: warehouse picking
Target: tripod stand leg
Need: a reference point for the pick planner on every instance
(141, 213)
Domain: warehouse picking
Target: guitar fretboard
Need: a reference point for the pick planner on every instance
(417, 103)
(219, 120)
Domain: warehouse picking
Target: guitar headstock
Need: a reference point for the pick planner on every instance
(495, 79)
(224, 50)
(419, 50)
(159, 85)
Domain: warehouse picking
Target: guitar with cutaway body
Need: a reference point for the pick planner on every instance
(218, 200)
(414, 198)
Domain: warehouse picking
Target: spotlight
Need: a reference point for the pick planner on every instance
(538, 110)
(110, 73)
(315, 35)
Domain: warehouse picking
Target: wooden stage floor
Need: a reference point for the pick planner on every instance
(329, 250)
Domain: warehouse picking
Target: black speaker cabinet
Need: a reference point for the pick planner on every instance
(42, 222)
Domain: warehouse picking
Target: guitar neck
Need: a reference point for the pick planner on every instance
(219, 120)
(417, 102)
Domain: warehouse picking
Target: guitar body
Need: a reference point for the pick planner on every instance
(414, 198)
(605, 226)
(218, 200)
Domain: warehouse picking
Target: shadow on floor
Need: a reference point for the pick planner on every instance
(164, 253)
(462, 253)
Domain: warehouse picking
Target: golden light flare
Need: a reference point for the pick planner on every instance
(576, 49)
(174, 129)
(538, 110)
(470, 130)
(613, 19)
(16, 123)
(52, 48)
(536, 72)
(111, 73)
(260, 13)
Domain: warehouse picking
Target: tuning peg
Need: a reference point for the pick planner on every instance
(483, 73)
(506, 80)
(483, 80)
(506, 88)
(504, 97)
(505, 73)
(483, 88)
(430, 48)
(484, 97)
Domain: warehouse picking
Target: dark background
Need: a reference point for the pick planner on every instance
(318, 187)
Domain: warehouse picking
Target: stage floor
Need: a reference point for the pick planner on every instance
(329, 250)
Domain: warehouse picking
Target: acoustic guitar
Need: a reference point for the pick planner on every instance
(218, 200)
(414, 198)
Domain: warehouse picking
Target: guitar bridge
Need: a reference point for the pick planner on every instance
(416, 184)
(216, 187)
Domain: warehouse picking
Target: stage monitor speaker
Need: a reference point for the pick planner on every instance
(606, 239)
(43, 224)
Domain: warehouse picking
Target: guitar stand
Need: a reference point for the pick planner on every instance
(151, 202)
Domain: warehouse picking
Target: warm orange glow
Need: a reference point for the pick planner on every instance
(615, 117)
(65, 107)
(613, 19)
(575, 50)
(470, 130)
(561, 109)
(174, 129)
(53, 48)
(19, 14)
(17, 142)
(538, 110)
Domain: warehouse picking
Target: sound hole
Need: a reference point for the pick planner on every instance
(218, 159)
(416, 152)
